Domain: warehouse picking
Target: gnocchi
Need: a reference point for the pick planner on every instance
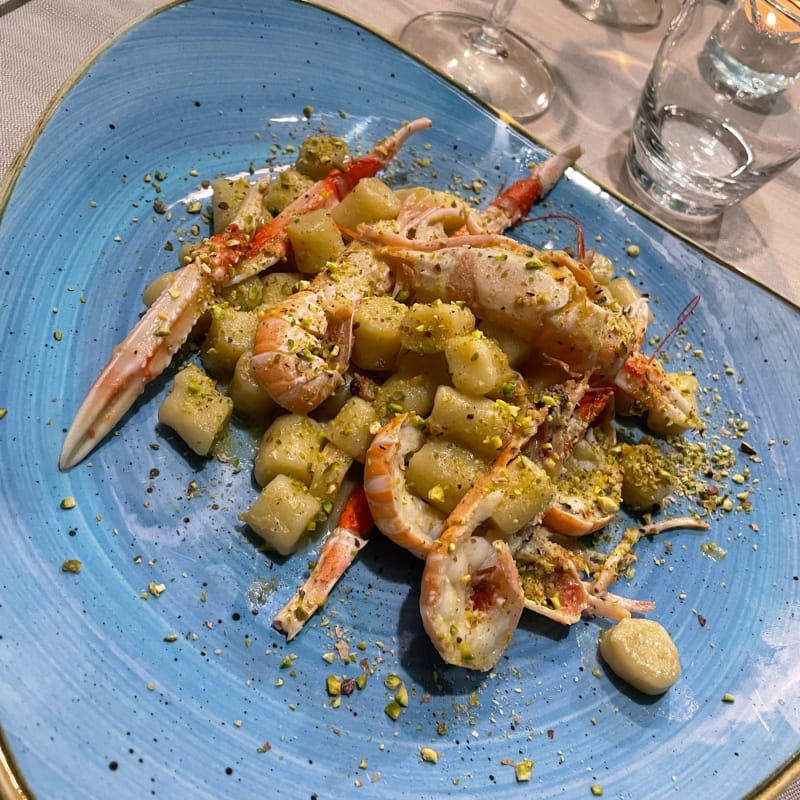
(642, 653)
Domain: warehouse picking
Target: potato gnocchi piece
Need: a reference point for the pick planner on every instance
(622, 291)
(663, 425)
(441, 472)
(283, 513)
(227, 195)
(315, 240)
(320, 154)
(286, 187)
(527, 492)
(642, 653)
(376, 333)
(250, 401)
(329, 472)
(369, 201)
(426, 327)
(603, 269)
(475, 422)
(647, 477)
(291, 446)
(406, 393)
(352, 428)
(230, 335)
(477, 365)
(278, 286)
(195, 409)
(245, 296)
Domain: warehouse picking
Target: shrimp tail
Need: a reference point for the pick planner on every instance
(471, 601)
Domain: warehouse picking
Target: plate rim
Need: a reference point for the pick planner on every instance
(13, 785)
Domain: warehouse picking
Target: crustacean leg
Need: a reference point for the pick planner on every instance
(338, 552)
(512, 204)
(429, 220)
(224, 258)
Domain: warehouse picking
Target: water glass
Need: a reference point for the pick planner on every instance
(719, 114)
(626, 14)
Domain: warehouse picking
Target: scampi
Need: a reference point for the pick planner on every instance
(466, 381)
(248, 245)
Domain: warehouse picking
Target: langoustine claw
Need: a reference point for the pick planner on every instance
(242, 249)
(511, 205)
(142, 356)
(339, 549)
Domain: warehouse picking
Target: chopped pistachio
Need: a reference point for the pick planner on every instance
(392, 682)
(429, 755)
(402, 696)
(523, 770)
(72, 565)
(393, 709)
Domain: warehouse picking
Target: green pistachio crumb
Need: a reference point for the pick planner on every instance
(393, 682)
(429, 755)
(67, 503)
(523, 770)
(402, 696)
(393, 710)
(72, 565)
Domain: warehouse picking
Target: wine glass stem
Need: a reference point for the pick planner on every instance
(490, 36)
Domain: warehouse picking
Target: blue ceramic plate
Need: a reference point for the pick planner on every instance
(94, 702)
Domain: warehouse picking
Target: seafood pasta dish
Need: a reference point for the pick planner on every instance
(414, 372)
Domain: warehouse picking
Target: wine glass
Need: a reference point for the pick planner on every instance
(485, 57)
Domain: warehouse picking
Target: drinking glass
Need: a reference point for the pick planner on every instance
(719, 115)
(484, 56)
(626, 14)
